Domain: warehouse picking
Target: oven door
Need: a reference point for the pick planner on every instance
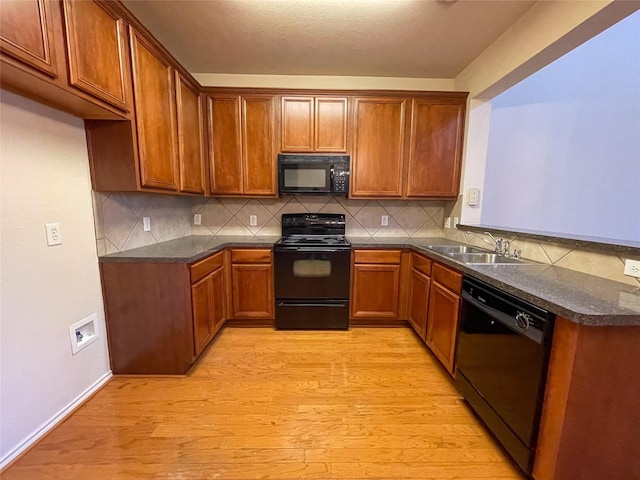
(312, 273)
(304, 178)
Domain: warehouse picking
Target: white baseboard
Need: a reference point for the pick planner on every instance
(53, 421)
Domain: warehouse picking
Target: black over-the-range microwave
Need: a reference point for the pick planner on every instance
(313, 174)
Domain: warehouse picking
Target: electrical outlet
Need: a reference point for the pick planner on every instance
(54, 234)
(456, 221)
(632, 268)
(447, 222)
(197, 219)
(384, 220)
(253, 220)
(146, 224)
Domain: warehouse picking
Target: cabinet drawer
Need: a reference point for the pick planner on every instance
(250, 255)
(447, 277)
(420, 263)
(376, 256)
(205, 267)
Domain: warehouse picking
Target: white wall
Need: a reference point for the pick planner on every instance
(44, 179)
(564, 144)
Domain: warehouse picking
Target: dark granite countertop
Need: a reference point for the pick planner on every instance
(582, 298)
(187, 249)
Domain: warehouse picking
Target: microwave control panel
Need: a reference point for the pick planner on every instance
(340, 178)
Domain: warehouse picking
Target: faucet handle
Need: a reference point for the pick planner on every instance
(506, 246)
(498, 245)
(516, 253)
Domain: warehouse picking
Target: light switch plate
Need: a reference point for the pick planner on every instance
(54, 234)
(384, 220)
(197, 219)
(146, 224)
(447, 222)
(473, 197)
(253, 220)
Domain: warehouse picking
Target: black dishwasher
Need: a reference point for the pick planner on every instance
(502, 358)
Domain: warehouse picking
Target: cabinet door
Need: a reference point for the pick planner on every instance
(258, 133)
(207, 297)
(189, 119)
(225, 155)
(96, 47)
(26, 33)
(203, 308)
(375, 291)
(378, 153)
(218, 292)
(419, 302)
(153, 83)
(442, 325)
(330, 125)
(435, 149)
(297, 124)
(252, 291)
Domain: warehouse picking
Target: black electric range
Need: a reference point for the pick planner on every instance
(312, 268)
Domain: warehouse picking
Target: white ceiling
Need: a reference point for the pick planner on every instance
(379, 38)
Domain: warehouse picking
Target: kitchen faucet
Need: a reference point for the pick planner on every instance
(497, 243)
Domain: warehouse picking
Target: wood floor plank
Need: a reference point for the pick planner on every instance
(264, 404)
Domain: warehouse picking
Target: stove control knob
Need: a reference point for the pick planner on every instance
(523, 320)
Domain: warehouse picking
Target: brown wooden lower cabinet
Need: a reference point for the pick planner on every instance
(418, 291)
(444, 308)
(252, 296)
(207, 296)
(161, 316)
(375, 284)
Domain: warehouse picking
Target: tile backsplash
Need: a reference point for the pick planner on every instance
(222, 216)
(118, 217)
(582, 259)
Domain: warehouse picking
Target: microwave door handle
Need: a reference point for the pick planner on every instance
(332, 176)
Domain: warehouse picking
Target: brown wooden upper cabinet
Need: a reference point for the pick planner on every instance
(429, 168)
(242, 157)
(161, 149)
(435, 151)
(70, 54)
(26, 34)
(378, 150)
(153, 83)
(314, 124)
(190, 141)
(96, 49)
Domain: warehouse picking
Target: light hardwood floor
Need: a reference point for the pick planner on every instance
(367, 403)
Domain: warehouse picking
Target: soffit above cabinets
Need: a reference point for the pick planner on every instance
(381, 38)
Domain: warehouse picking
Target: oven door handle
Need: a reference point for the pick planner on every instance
(310, 249)
(313, 304)
(504, 319)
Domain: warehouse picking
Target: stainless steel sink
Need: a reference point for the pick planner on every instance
(485, 258)
(451, 249)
